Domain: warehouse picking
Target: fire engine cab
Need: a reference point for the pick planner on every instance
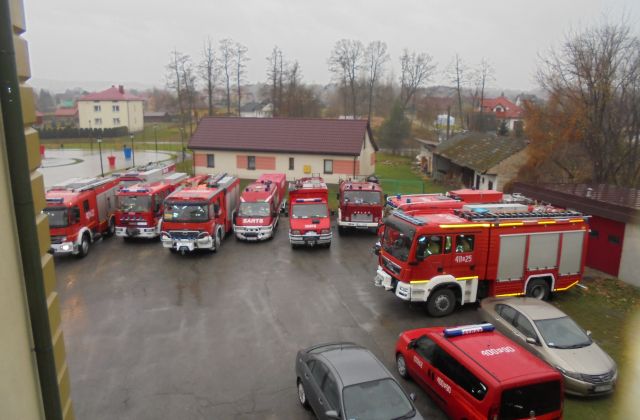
(361, 204)
(140, 207)
(199, 217)
(309, 216)
(261, 203)
(80, 211)
(449, 259)
(474, 372)
(151, 172)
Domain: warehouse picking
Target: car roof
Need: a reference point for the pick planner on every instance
(496, 354)
(354, 364)
(533, 308)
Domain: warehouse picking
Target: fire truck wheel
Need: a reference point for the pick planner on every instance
(84, 246)
(112, 227)
(341, 230)
(441, 303)
(539, 289)
(217, 242)
(401, 366)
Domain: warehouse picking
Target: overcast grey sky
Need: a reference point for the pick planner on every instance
(123, 41)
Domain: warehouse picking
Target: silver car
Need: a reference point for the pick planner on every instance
(551, 335)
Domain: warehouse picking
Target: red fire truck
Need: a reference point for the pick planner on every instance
(140, 207)
(80, 211)
(309, 216)
(361, 204)
(448, 259)
(260, 205)
(151, 172)
(199, 217)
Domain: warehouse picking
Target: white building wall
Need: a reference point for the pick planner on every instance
(128, 114)
(629, 272)
(485, 179)
(366, 167)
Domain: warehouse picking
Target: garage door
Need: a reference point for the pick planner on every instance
(605, 245)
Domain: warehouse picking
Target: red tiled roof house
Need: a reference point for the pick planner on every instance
(111, 108)
(504, 109)
(248, 147)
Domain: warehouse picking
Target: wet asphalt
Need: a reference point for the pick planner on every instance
(155, 335)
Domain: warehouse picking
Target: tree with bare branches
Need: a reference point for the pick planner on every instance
(240, 60)
(226, 61)
(345, 63)
(415, 70)
(483, 75)
(457, 73)
(375, 58)
(175, 80)
(209, 71)
(275, 76)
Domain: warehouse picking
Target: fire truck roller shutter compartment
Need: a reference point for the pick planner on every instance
(511, 260)
(571, 257)
(543, 251)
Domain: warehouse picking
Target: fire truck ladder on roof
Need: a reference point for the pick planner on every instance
(81, 184)
(490, 216)
(214, 180)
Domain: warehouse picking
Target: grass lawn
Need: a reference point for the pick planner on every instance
(605, 308)
(399, 177)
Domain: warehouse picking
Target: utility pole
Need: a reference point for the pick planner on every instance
(100, 148)
(133, 151)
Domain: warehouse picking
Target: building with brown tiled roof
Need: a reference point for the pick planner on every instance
(111, 108)
(504, 110)
(248, 147)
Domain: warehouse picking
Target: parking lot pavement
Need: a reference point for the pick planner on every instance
(155, 335)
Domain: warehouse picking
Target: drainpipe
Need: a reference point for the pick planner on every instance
(354, 167)
(24, 211)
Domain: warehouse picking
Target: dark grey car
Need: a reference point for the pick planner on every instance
(346, 381)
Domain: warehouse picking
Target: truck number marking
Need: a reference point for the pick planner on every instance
(497, 351)
(310, 226)
(464, 258)
(417, 361)
(443, 385)
(254, 220)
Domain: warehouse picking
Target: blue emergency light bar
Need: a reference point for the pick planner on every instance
(401, 215)
(468, 329)
(308, 200)
(130, 190)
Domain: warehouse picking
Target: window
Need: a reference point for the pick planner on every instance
(429, 245)
(506, 312)
(291, 166)
(98, 121)
(490, 185)
(464, 243)
(328, 166)
(425, 347)
(115, 108)
(251, 162)
(96, 108)
(459, 374)
(85, 205)
(613, 239)
(330, 390)
(211, 161)
(319, 371)
(524, 326)
(447, 244)
(116, 121)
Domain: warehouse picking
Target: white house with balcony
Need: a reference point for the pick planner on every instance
(111, 108)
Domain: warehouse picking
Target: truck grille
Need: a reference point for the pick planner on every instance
(362, 217)
(394, 268)
(184, 234)
(57, 239)
(598, 379)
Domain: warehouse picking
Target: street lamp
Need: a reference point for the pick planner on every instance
(155, 134)
(100, 147)
(133, 151)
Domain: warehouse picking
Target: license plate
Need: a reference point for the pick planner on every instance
(603, 388)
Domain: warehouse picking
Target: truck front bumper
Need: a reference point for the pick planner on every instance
(406, 291)
(311, 239)
(189, 245)
(136, 232)
(253, 233)
(358, 225)
(64, 248)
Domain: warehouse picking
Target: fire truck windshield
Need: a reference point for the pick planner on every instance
(253, 210)
(302, 211)
(186, 212)
(58, 216)
(362, 197)
(397, 239)
(130, 203)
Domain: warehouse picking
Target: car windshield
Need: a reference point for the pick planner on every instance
(186, 212)
(362, 197)
(58, 216)
(397, 238)
(253, 210)
(376, 400)
(562, 333)
(302, 211)
(131, 203)
(531, 400)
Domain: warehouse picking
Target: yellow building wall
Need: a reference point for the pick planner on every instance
(129, 113)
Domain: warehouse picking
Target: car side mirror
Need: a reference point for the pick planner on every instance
(332, 414)
(377, 247)
(412, 344)
(589, 333)
(532, 340)
(412, 396)
(216, 210)
(421, 250)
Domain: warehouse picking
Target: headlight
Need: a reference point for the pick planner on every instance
(569, 374)
(295, 232)
(66, 247)
(325, 231)
(202, 235)
(165, 236)
(348, 219)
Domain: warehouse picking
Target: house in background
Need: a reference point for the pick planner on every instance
(256, 110)
(65, 117)
(504, 110)
(479, 160)
(425, 154)
(156, 117)
(614, 225)
(111, 108)
(297, 147)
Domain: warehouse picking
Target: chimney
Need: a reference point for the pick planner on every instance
(121, 89)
